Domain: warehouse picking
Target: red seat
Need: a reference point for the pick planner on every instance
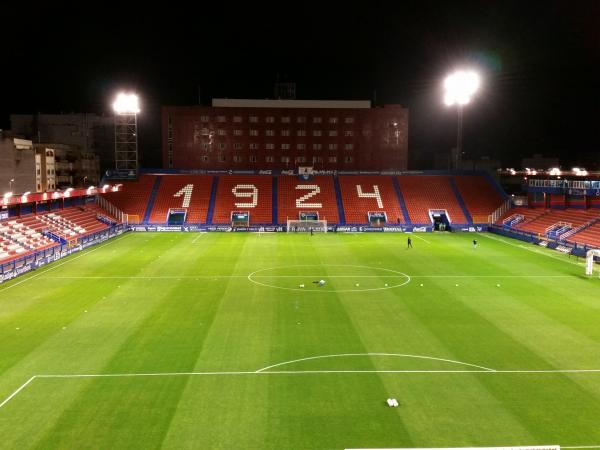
(244, 193)
(424, 192)
(361, 194)
(295, 195)
(182, 191)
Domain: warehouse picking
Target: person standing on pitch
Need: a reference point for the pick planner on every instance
(474, 244)
(408, 243)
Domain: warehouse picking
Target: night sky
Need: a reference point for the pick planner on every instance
(540, 63)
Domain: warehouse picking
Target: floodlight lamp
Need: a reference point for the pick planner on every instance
(106, 186)
(8, 195)
(26, 193)
(126, 104)
(460, 87)
(554, 171)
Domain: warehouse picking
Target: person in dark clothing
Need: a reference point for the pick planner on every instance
(409, 243)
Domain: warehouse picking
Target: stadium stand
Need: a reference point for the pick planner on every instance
(540, 221)
(480, 197)
(361, 194)
(589, 235)
(295, 195)
(17, 238)
(134, 196)
(244, 193)
(424, 192)
(182, 191)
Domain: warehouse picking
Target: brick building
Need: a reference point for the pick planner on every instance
(285, 134)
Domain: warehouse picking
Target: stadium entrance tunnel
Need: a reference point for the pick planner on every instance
(336, 278)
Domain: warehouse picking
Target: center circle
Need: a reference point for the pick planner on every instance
(337, 277)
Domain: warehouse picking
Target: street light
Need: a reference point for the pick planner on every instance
(10, 184)
(460, 87)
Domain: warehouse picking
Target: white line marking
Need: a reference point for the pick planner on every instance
(23, 386)
(582, 446)
(168, 277)
(529, 249)
(198, 237)
(398, 355)
(55, 266)
(252, 275)
(419, 237)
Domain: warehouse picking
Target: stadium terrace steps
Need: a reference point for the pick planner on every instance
(481, 198)
(425, 192)
(361, 194)
(152, 199)
(133, 198)
(461, 202)
(251, 193)
(316, 194)
(338, 200)
(401, 200)
(182, 191)
(528, 214)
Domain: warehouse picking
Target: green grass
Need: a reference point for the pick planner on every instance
(180, 303)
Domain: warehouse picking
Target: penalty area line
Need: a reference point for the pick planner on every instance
(23, 386)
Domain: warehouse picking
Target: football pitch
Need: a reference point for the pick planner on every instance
(209, 341)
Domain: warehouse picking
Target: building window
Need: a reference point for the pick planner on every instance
(317, 146)
(270, 119)
(270, 132)
(333, 120)
(253, 132)
(254, 146)
(300, 159)
(253, 158)
(317, 120)
(237, 119)
(221, 119)
(237, 132)
(348, 133)
(366, 133)
(332, 146)
(285, 119)
(332, 132)
(269, 159)
(317, 159)
(204, 132)
(205, 146)
(348, 146)
(222, 146)
(270, 146)
(301, 119)
(253, 119)
(237, 158)
(221, 158)
(237, 146)
(285, 159)
(349, 120)
(221, 132)
(300, 146)
(332, 159)
(285, 132)
(301, 133)
(205, 158)
(348, 159)
(285, 146)
(316, 132)
(204, 118)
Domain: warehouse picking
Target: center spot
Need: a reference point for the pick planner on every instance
(337, 277)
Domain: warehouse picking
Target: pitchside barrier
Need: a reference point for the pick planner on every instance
(33, 261)
(347, 228)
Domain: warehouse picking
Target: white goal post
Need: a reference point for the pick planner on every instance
(589, 261)
(306, 226)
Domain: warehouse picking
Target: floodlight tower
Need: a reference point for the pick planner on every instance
(126, 107)
(460, 87)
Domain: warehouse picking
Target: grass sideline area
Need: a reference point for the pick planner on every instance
(184, 340)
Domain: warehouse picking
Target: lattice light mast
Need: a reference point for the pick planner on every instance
(459, 88)
(126, 107)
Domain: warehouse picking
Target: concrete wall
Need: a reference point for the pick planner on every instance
(18, 164)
